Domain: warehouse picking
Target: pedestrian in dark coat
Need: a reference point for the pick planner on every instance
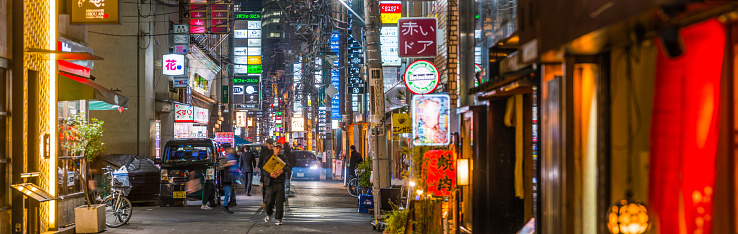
(354, 161)
(274, 186)
(248, 163)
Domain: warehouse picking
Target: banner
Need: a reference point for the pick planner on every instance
(439, 172)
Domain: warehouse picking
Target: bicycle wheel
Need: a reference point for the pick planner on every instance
(118, 210)
(353, 187)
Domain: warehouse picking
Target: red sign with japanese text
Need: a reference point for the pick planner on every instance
(439, 170)
(417, 37)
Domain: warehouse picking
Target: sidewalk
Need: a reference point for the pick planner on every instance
(318, 207)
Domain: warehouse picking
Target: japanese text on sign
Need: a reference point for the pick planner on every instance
(417, 37)
(439, 170)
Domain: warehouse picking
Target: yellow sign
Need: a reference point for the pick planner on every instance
(95, 12)
(254, 60)
(390, 18)
(401, 123)
(179, 194)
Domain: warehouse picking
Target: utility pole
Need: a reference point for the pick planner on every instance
(376, 92)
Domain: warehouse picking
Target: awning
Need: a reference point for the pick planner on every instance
(61, 55)
(240, 141)
(77, 88)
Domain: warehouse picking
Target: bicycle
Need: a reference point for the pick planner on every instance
(353, 187)
(118, 208)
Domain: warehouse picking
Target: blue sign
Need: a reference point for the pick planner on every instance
(335, 103)
(335, 45)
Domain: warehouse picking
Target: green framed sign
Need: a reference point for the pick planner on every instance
(421, 77)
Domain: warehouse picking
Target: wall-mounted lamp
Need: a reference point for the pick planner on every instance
(462, 171)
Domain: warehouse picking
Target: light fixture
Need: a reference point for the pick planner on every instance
(627, 217)
(419, 192)
(462, 171)
(411, 183)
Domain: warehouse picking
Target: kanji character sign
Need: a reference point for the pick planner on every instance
(417, 37)
(439, 172)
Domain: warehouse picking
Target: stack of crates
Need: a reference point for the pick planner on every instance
(366, 202)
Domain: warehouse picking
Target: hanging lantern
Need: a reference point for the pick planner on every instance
(627, 217)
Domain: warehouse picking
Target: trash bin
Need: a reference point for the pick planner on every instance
(389, 195)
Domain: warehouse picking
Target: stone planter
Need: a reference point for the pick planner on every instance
(89, 219)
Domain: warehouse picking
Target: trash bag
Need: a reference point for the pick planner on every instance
(120, 180)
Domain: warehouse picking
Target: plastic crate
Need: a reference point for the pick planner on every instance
(366, 202)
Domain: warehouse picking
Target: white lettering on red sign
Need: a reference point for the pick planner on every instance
(417, 37)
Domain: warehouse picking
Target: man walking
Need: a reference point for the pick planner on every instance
(274, 186)
(354, 162)
(229, 177)
(248, 163)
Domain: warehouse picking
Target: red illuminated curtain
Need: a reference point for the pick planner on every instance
(684, 131)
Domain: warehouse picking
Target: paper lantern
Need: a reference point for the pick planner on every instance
(627, 217)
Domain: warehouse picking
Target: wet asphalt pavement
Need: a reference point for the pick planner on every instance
(318, 207)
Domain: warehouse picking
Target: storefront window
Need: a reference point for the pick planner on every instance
(69, 169)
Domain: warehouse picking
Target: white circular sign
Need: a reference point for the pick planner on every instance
(421, 77)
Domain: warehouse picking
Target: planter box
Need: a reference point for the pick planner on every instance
(89, 219)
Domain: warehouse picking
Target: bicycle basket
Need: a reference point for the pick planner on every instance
(121, 182)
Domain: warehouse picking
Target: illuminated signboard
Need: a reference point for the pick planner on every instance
(390, 11)
(241, 119)
(241, 59)
(421, 77)
(183, 113)
(254, 34)
(247, 58)
(254, 51)
(298, 124)
(173, 64)
(417, 36)
(254, 60)
(389, 46)
(240, 33)
(240, 69)
(94, 12)
(335, 38)
(254, 43)
(254, 25)
(201, 115)
(431, 118)
(254, 69)
(439, 172)
(240, 51)
(204, 17)
(246, 91)
(246, 15)
(245, 80)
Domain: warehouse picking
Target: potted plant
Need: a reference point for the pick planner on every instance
(83, 139)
